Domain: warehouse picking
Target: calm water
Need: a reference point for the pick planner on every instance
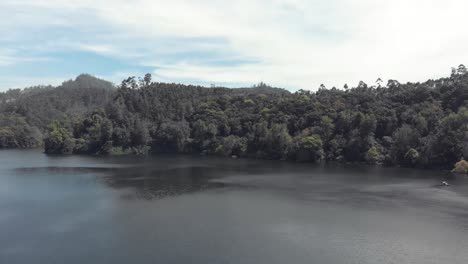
(181, 209)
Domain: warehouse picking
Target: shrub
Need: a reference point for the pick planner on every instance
(373, 156)
(461, 167)
(411, 156)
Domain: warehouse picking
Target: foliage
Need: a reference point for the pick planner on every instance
(59, 140)
(25, 115)
(411, 157)
(15, 132)
(232, 146)
(413, 124)
(373, 156)
(309, 148)
(461, 167)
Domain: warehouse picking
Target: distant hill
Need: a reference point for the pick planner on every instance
(263, 88)
(42, 104)
(32, 109)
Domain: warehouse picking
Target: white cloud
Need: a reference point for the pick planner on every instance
(294, 43)
(6, 60)
(15, 82)
(9, 57)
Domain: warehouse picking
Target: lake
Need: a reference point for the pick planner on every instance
(190, 209)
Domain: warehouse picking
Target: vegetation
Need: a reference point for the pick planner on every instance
(461, 167)
(413, 124)
(26, 115)
(15, 132)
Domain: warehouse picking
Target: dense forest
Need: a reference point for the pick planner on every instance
(25, 115)
(413, 124)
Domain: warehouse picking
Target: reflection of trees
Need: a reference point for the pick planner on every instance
(152, 183)
(146, 182)
(51, 171)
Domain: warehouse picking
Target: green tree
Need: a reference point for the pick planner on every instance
(139, 134)
(232, 146)
(461, 69)
(461, 167)
(411, 157)
(171, 137)
(449, 144)
(404, 139)
(278, 141)
(59, 140)
(309, 148)
(326, 128)
(373, 156)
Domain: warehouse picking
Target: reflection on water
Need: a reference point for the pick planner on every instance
(160, 177)
(156, 184)
(178, 209)
(34, 171)
(140, 182)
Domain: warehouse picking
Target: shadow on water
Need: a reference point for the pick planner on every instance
(139, 182)
(148, 184)
(161, 177)
(60, 170)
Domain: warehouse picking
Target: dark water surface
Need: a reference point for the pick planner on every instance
(182, 209)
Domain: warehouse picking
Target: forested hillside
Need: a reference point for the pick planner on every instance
(413, 124)
(25, 115)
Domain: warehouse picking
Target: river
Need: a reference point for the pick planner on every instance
(190, 209)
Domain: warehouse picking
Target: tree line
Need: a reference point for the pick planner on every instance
(412, 124)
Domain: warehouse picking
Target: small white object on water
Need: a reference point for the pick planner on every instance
(444, 183)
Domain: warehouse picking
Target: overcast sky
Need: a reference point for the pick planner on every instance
(296, 44)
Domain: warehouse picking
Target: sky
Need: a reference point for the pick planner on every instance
(294, 44)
